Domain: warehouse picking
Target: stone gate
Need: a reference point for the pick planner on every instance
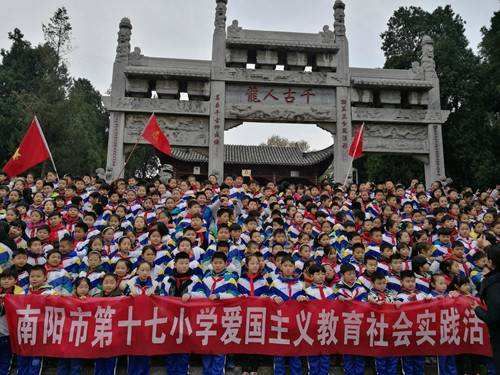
(270, 76)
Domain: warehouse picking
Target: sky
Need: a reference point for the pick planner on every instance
(183, 29)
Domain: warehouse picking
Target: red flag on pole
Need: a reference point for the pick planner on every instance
(356, 149)
(32, 151)
(153, 134)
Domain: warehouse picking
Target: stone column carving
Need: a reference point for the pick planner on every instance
(115, 159)
(217, 95)
(343, 134)
(435, 170)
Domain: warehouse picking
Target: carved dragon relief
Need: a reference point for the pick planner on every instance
(396, 138)
(397, 115)
(181, 130)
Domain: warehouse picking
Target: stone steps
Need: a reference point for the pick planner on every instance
(196, 369)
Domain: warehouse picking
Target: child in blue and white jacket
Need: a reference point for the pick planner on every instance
(439, 289)
(287, 287)
(319, 364)
(217, 283)
(350, 289)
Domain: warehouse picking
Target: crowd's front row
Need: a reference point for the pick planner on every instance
(219, 282)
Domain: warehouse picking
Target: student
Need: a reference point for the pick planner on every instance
(252, 284)
(379, 294)
(142, 284)
(57, 277)
(93, 270)
(479, 261)
(73, 366)
(218, 283)
(319, 364)
(439, 286)
(8, 281)
(123, 270)
(180, 284)
(420, 267)
(287, 287)
(21, 267)
(370, 268)
(349, 289)
(35, 252)
(37, 285)
(394, 279)
(412, 365)
(107, 366)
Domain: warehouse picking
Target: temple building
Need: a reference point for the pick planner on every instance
(262, 163)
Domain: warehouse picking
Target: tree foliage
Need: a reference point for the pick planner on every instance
(57, 32)
(35, 81)
(469, 87)
(278, 141)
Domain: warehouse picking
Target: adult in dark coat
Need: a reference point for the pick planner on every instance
(490, 294)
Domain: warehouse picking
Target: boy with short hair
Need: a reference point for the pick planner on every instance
(413, 365)
(37, 285)
(319, 364)
(394, 279)
(479, 261)
(379, 294)
(57, 277)
(284, 288)
(21, 267)
(217, 283)
(370, 268)
(35, 253)
(349, 289)
(8, 281)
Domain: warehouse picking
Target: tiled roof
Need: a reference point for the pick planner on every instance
(268, 155)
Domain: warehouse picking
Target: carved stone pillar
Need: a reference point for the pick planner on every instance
(343, 134)
(436, 154)
(217, 95)
(115, 160)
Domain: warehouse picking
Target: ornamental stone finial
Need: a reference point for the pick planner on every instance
(220, 15)
(339, 16)
(124, 33)
(428, 62)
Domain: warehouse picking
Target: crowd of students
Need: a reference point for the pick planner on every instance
(379, 243)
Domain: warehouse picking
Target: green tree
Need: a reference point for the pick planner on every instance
(35, 81)
(57, 33)
(278, 141)
(468, 135)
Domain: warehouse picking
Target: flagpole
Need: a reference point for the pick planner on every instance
(47, 146)
(352, 158)
(135, 146)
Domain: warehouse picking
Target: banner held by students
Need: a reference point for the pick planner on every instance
(105, 327)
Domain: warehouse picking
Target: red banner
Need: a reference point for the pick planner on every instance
(104, 327)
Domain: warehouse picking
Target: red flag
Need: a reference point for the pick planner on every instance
(356, 149)
(32, 151)
(153, 134)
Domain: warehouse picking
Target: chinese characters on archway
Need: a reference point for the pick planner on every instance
(344, 129)
(289, 95)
